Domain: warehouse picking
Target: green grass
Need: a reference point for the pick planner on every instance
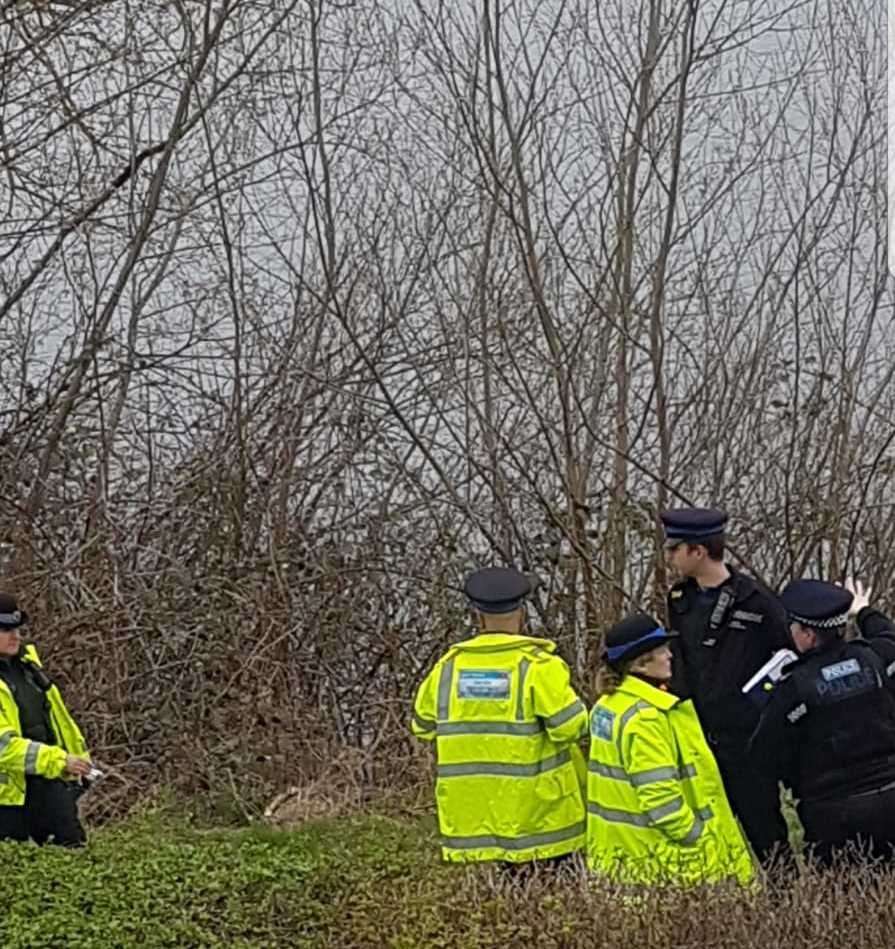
(158, 881)
(161, 882)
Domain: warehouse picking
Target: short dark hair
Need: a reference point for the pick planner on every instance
(714, 546)
(827, 634)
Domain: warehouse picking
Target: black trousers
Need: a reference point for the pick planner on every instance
(754, 796)
(49, 815)
(854, 829)
(522, 872)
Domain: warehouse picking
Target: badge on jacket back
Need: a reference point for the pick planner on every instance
(483, 684)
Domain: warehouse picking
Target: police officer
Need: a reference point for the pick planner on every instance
(505, 722)
(829, 728)
(729, 625)
(657, 811)
(42, 751)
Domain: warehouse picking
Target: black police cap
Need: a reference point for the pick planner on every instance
(692, 524)
(10, 615)
(817, 603)
(497, 589)
(634, 636)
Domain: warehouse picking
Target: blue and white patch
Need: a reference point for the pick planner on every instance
(483, 684)
(840, 669)
(601, 722)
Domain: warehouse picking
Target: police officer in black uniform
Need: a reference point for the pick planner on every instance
(828, 730)
(729, 625)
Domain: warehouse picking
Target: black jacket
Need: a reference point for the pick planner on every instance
(30, 699)
(720, 647)
(829, 730)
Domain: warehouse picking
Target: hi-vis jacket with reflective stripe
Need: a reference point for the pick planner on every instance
(505, 722)
(656, 807)
(19, 756)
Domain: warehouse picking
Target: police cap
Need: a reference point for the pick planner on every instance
(497, 589)
(817, 603)
(633, 636)
(10, 614)
(692, 525)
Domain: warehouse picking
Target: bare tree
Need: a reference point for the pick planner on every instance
(310, 307)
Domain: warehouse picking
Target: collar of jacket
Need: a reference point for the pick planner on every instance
(823, 651)
(491, 641)
(648, 693)
(738, 583)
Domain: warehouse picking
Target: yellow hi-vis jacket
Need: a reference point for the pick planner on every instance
(657, 811)
(20, 756)
(510, 776)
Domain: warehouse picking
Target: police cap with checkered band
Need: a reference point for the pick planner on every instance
(816, 603)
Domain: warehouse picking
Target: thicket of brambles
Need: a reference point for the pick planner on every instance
(309, 307)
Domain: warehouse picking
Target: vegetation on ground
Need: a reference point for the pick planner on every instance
(369, 880)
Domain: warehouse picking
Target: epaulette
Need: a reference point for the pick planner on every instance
(651, 713)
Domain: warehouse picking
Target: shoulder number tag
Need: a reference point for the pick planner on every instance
(748, 617)
(483, 684)
(797, 712)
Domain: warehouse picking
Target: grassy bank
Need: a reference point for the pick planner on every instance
(377, 881)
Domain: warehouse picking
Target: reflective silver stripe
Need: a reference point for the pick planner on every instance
(563, 715)
(890, 669)
(641, 777)
(424, 724)
(477, 768)
(490, 728)
(669, 773)
(515, 843)
(444, 690)
(31, 757)
(702, 815)
(616, 816)
(520, 697)
(638, 706)
(607, 770)
(5, 739)
(646, 819)
(664, 810)
(695, 831)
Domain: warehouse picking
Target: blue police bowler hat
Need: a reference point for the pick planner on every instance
(816, 603)
(692, 524)
(497, 589)
(634, 636)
